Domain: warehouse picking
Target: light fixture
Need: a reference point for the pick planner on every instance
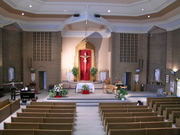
(149, 16)
(22, 14)
(172, 71)
(109, 11)
(138, 70)
(142, 9)
(30, 5)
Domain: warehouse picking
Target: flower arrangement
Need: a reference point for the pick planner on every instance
(57, 91)
(121, 93)
(85, 89)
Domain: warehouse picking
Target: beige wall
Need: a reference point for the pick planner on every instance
(68, 53)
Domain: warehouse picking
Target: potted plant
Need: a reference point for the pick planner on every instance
(93, 72)
(121, 93)
(85, 89)
(75, 73)
(57, 91)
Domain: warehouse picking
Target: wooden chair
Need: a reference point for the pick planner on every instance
(109, 88)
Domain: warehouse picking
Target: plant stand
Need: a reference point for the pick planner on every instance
(85, 92)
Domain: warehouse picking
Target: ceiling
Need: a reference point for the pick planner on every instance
(79, 17)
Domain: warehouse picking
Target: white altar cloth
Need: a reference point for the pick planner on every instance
(79, 86)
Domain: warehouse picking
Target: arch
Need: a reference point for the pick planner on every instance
(84, 45)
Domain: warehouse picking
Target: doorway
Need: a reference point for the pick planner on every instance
(42, 80)
(127, 79)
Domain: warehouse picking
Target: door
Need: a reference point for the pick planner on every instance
(42, 80)
(127, 80)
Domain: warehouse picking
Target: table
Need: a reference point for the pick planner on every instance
(79, 86)
(27, 94)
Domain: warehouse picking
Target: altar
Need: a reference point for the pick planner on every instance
(79, 86)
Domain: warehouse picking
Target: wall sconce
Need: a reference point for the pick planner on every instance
(172, 72)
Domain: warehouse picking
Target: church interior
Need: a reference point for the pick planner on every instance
(119, 44)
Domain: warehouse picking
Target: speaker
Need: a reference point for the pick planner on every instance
(76, 15)
(97, 15)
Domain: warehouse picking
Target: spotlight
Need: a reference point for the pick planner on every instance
(76, 15)
(97, 15)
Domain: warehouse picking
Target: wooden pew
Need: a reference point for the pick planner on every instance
(35, 132)
(153, 101)
(49, 110)
(134, 125)
(164, 106)
(167, 111)
(132, 119)
(121, 106)
(148, 100)
(145, 131)
(42, 119)
(117, 103)
(44, 114)
(53, 103)
(157, 104)
(127, 114)
(52, 106)
(174, 115)
(178, 122)
(47, 126)
(125, 110)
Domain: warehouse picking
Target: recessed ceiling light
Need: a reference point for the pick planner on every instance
(22, 14)
(109, 10)
(142, 9)
(30, 5)
(65, 10)
(149, 16)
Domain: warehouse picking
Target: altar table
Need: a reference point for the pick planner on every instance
(79, 86)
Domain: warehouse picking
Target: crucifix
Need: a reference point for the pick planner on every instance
(85, 56)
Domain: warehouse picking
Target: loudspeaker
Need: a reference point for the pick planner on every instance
(97, 15)
(76, 15)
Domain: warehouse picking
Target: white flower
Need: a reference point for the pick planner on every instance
(58, 88)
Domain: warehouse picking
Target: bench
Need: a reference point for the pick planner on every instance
(153, 101)
(164, 106)
(148, 100)
(174, 115)
(44, 114)
(117, 103)
(167, 111)
(49, 110)
(125, 110)
(7, 108)
(157, 104)
(145, 131)
(121, 106)
(128, 114)
(47, 126)
(52, 106)
(136, 125)
(53, 103)
(35, 132)
(43, 119)
(132, 119)
(178, 122)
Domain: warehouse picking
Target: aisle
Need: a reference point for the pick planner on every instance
(88, 121)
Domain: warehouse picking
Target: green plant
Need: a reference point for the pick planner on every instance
(121, 93)
(63, 92)
(75, 71)
(52, 93)
(57, 89)
(93, 71)
(85, 87)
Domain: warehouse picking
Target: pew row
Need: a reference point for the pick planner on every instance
(47, 126)
(157, 104)
(44, 114)
(153, 101)
(127, 114)
(145, 131)
(120, 106)
(168, 111)
(52, 103)
(35, 132)
(136, 125)
(164, 106)
(43, 119)
(117, 103)
(132, 119)
(174, 115)
(149, 99)
(52, 106)
(48, 110)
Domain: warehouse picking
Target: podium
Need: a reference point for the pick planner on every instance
(137, 87)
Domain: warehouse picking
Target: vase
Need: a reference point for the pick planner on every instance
(58, 95)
